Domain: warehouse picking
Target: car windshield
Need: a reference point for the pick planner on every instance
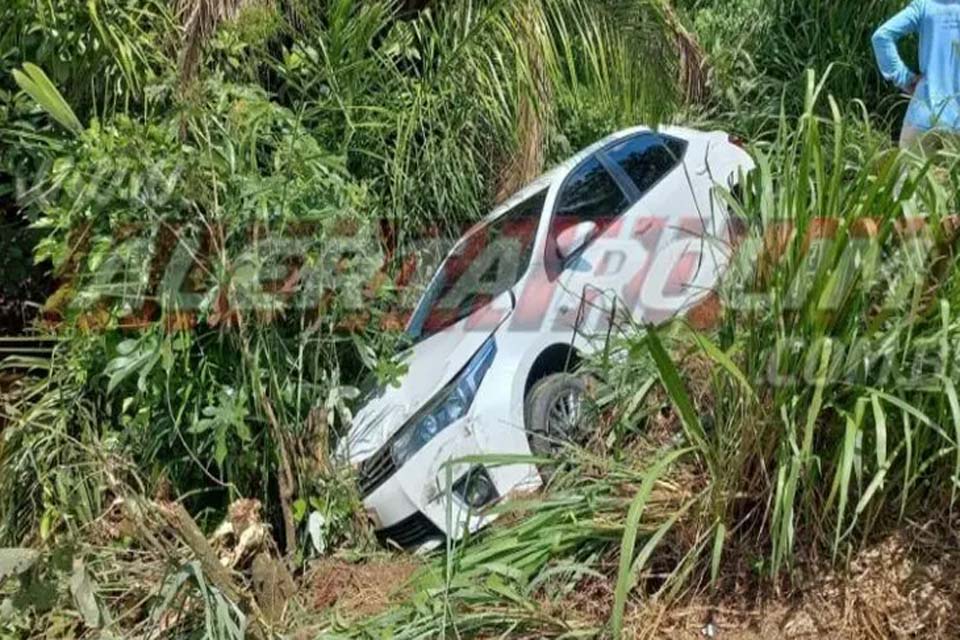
(485, 264)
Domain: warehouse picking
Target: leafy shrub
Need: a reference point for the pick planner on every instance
(168, 236)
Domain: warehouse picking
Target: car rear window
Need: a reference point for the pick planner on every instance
(647, 158)
(590, 194)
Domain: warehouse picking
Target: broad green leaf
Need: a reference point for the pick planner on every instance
(35, 83)
(816, 404)
(718, 539)
(83, 591)
(880, 423)
(717, 355)
(844, 472)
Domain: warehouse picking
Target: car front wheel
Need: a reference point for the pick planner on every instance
(554, 413)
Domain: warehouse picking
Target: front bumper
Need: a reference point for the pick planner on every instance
(414, 531)
(415, 503)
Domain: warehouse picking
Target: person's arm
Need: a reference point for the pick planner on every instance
(892, 66)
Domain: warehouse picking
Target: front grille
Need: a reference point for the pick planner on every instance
(410, 532)
(375, 470)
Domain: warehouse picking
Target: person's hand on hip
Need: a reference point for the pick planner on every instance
(912, 87)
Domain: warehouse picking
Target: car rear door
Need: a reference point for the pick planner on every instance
(639, 197)
(672, 231)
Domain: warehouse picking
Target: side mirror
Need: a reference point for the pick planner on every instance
(574, 238)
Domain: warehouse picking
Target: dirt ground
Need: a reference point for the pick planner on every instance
(359, 589)
(907, 585)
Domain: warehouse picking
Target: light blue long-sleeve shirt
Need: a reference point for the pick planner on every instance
(936, 102)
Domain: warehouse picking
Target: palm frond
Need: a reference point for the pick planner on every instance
(199, 20)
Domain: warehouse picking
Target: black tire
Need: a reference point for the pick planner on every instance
(546, 398)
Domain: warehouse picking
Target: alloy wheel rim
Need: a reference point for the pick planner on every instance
(564, 416)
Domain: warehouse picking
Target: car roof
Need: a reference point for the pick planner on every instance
(562, 169)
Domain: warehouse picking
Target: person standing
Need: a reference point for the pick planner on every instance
(935, 90)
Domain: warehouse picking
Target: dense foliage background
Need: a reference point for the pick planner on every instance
(149, 150)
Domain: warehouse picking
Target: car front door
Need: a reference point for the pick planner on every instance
(637, 192)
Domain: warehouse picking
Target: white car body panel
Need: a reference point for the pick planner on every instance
(680, 216)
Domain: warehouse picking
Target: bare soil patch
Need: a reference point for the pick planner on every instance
(907, 585)
(358, 589)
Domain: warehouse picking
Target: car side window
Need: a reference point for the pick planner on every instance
(590, 194)
(489, 261)
(647, 158)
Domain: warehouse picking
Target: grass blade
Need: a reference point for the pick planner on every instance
(681, 400)
(624, 573)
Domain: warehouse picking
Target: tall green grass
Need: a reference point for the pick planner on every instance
(758, 467)
(848, 344)
(758, 51)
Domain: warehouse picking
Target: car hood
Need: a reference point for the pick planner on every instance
(431, 364)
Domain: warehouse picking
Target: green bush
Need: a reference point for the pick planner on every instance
(164, 233)
(759, 52)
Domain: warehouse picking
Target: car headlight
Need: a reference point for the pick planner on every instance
(451, 404)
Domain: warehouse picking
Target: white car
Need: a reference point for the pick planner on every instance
(632, 224)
